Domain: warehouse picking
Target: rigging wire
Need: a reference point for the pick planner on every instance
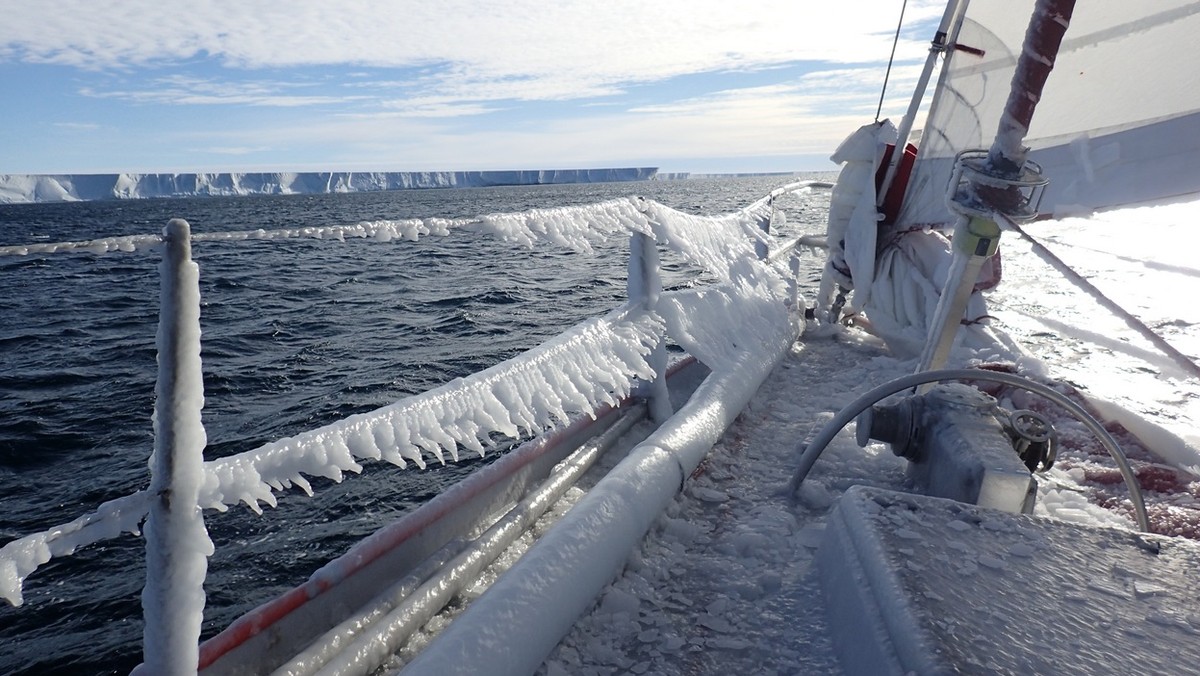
(1183, 361)
(888, 73)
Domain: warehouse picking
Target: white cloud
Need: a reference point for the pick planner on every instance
(453, 84)
(519, 49)
(77, 126)
(835, 92)
(236, 151)
(789, 119)
(181, 90)
(437, 107)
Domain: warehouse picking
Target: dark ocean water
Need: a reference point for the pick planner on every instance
(296, 334)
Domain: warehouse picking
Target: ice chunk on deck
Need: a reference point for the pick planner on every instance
(925, 585)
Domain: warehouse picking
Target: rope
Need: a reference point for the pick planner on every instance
(1182, 360)
(888, 73)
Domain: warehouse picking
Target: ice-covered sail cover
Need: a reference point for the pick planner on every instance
(1118, 123)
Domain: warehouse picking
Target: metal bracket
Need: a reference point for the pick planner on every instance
(972, 172)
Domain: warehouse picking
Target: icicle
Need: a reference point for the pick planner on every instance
(436, 432)
(361, 442)
(385, 438)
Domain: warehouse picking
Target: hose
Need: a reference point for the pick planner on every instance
(815, 447)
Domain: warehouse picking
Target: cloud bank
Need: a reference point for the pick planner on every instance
(463, 73)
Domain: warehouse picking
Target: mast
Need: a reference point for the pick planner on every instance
(1006, 158)
(997, 181)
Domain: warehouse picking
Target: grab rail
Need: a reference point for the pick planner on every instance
(177, 543)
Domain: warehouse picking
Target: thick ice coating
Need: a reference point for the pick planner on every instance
(593, 364)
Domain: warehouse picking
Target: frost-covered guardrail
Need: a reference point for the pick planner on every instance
(594, 363)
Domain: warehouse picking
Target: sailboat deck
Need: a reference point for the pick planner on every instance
(737, 578)
(927, 585)
(727, 581)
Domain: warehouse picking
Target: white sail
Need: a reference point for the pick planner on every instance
(1119, 121)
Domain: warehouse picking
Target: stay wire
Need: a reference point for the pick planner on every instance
(1183, 361)
(888, 73)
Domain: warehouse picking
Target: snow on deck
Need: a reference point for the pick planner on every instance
(1043, 596)
(726, 582)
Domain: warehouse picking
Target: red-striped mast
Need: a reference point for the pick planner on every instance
(998, 181)
(1006, 158)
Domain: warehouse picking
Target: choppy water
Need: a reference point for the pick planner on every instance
(296, 334)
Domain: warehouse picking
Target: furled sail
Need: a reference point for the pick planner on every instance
(1118, 123)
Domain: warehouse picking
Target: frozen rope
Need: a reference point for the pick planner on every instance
(566, 226)
(591, 364)
(102, 245)
(22, 556)
(594, 363)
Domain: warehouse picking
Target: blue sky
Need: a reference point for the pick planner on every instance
(391, 85)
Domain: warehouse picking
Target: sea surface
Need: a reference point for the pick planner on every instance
(296, 334)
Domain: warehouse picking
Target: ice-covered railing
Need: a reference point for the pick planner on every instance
(592, 363)
(596, 362)
(566, 226)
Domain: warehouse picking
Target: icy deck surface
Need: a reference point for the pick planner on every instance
(726, 583)
(1041, 595)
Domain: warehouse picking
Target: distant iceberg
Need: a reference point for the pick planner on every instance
(684, 175)
(24, 188)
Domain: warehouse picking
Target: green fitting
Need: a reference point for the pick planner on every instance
(977, 236)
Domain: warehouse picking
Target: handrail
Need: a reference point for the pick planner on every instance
(362, 642)
(423, 520)
(414, 525)
(630, 348)
(561, 575)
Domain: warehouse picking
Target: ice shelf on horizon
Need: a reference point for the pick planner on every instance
(24, 188)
